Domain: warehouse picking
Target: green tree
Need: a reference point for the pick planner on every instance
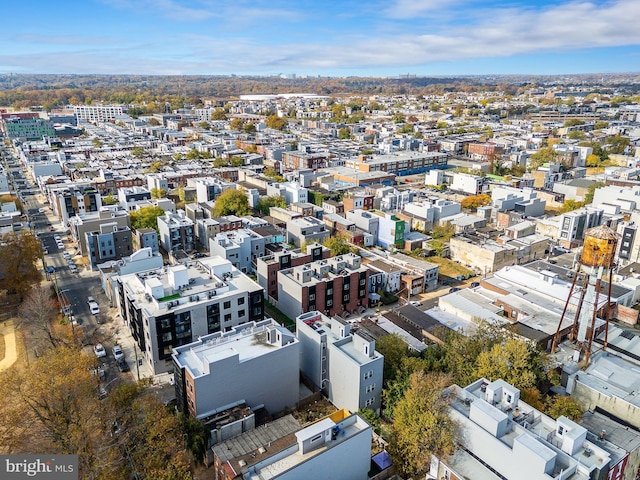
(573, 122)
(231, 202)
(406, 128)
(339, 244)
(395, 350)
(110, 199)
(593, 160)
(344, 134)
(438, 246)
(146, 217)
(371, 418)
(460, 352)
(577, 135)
(220, 162)
(236, 124)
(443, 231)
(542, 156)
(422, 425)
(138, 151)
(599, 125)
(565, 405)
(193, 154)
(97, 143)
(570, 205)
(18, 257)
(204, 125)
(588, 197)
(218, 114)
(158, 193)
(509, 361)
(398, 118)
(617, 144)
(275, 122)
(265, 203)
(154, 122)
(249, 127)
(270, 172)
(236, 161)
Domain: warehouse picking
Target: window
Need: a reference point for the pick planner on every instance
(316, 438)
(329, 291)
(369, 402)
(370, 388)
(368, 374)
(227, 304)
(227, 317)
(241, 313)
(312, 296)
(346, 297)
(362, 282)
(329, 303)
(346, 286)
(241, 301)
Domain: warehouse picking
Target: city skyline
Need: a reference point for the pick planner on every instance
(420, 37)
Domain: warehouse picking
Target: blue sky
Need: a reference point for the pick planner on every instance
(336, 38)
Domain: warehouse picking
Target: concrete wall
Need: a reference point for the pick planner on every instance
(271, 379)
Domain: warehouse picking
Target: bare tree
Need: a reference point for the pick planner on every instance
(37, 314)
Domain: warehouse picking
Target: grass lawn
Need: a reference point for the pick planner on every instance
(279, 317)
(449, 268)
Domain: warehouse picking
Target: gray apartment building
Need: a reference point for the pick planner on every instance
(264, 355)
(147, 238)
(306, 230)
(84, 223)
(345, 365)
(176, 232)
(241, 247)
(110, 242)
(172, 306)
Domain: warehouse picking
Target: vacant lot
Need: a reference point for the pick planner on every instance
(449, 268)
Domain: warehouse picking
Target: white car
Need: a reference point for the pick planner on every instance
(95, 309)
(118, 354)
(99, 351)
(415, 303)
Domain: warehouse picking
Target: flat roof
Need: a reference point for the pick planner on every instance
(247, 341)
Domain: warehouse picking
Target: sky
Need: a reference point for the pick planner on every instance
(320, 37)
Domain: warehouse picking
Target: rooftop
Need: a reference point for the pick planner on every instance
(246, 341)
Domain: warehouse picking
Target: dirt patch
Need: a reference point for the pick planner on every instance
(314, 411)
(2, 347)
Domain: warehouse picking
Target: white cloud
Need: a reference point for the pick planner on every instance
(502, 32)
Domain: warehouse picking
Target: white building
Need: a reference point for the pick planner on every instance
(172, 306)
(467, 183)
(345, 366)
(336, 447)
(97, 113)
(292, 192)
(501, 433)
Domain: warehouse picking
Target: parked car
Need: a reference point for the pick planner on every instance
(123, 366)
(415, 303)
(99, 351)
(453, 289)
(118, 354)
(475, 284)
(93, 306)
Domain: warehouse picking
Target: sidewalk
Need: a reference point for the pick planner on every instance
(10, 347)
(137, 361)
